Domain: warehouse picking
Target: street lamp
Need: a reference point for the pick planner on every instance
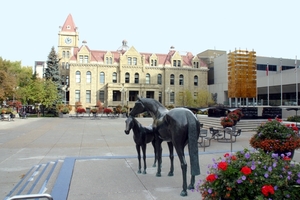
(168, 91)
(123, 90)
(65, 89)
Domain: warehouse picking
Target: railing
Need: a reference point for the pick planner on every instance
(31, 196)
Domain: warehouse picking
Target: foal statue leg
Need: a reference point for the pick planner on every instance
(158, 153)
(138, 150)
(144, 158)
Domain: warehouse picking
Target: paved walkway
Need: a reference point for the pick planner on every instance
(105, 158)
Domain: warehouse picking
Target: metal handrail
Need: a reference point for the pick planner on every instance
(31, 196)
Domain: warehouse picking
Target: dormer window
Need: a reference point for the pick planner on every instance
(174, 63)
(196, 64)
(179, 63)
(129, 61)
(153, 62)
(134, 61)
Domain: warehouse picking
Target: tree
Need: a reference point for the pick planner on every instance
(52, 70)
(204, 98)
(185, 98)
(8, 78)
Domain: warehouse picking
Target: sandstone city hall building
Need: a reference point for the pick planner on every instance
(117, 77)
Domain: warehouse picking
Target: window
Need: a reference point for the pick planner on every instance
(106, 60)
(88, 96)
(155, 62)
(68, 54)
(63, 54)
(127, 77)
(116, 95)
(172, 95)
(101, 96)
(181, 79)
(86, 58)
(178, 63)
(129, 61)
(134, 61)
(77, 76)
(160, 97)
(147, 78)
(67, 65)
(102, 77)
(62, 79)
(196, 64)
(136, 78)
(81, 58)
(114, 77)
(110, 60)
(152, 62)
(67, 80)
(77, 95)
(195, 97)
(159, 79)
(88, 77)
(195, 80)
(62, 65)
(172, 79)
(174, 63)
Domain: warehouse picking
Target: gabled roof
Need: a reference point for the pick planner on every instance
(69, 25)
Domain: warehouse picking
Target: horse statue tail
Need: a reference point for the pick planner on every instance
(193, 136)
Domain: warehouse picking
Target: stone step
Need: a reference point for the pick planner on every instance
(38, 180)
(244, 124)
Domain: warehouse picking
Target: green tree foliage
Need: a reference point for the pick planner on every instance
(185, 98)
(52, 70)
(204, 99)
(8, 78)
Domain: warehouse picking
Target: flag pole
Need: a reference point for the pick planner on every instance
(281, 81)
(268, 84)
(296, 68)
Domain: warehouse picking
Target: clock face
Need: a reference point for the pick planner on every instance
(68, 40)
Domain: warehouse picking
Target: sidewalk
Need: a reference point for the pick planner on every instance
(103, 156)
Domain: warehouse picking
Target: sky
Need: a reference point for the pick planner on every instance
(29, 29)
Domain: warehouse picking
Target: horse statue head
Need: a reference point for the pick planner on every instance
(155, 108)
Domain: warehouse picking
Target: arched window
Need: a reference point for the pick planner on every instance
(88, 77)
(172, 79)
(102, 77)
(181, 79)
(127, 77)
(147, 78)
(114, 77)
(77, 76)
(159, 79)
(136, 78)
(195, 80)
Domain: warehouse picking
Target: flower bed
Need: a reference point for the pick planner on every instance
(251, 175)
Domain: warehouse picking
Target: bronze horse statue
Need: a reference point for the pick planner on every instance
(179, 126)
(142, 135)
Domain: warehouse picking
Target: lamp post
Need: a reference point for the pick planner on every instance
(65, 89)
(168, 91)
(123, 90)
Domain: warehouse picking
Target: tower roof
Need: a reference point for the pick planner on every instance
(69, 25)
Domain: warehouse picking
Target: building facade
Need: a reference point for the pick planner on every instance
(277, 82)
(118, 77)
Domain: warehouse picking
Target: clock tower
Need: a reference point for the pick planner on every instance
(67, 40)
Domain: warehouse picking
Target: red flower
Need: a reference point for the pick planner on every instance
(222, 165)
(233, 158)
(267, 189)
(226, 155)
(246, 170)
(286, 158)
(211, 178)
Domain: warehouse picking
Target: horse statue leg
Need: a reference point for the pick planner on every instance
(192, 184)
(144, 157)
(138, 150)
(180, 153)
(171, 156)
(155, 155)
(158, 148)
